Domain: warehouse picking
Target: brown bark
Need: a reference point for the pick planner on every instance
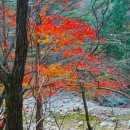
(13, 87)
(14, 108)
(82, 75)
(39, 111)
(39, 103)
(85, 107)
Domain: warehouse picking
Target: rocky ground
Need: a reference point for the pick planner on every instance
(66, 110)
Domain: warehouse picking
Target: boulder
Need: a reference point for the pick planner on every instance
(106, 124)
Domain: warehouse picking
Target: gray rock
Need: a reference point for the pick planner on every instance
(76, 109)
(106, 124)
(71, 128)
(128, 124)
(80, 123)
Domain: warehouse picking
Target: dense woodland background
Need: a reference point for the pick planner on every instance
(53, 49)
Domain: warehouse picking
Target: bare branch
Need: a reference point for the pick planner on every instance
(3, 75)
(113, 90)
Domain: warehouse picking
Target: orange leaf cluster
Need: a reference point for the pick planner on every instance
(64, 30)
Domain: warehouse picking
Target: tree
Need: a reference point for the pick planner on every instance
(13, 79)
(52, 34)
(55, 29)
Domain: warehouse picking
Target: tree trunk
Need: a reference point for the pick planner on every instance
(14, 108)
(85, 107)
(39, 103)
(14, 79)
(39, 111)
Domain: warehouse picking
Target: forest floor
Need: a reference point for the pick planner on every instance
(66, 111)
